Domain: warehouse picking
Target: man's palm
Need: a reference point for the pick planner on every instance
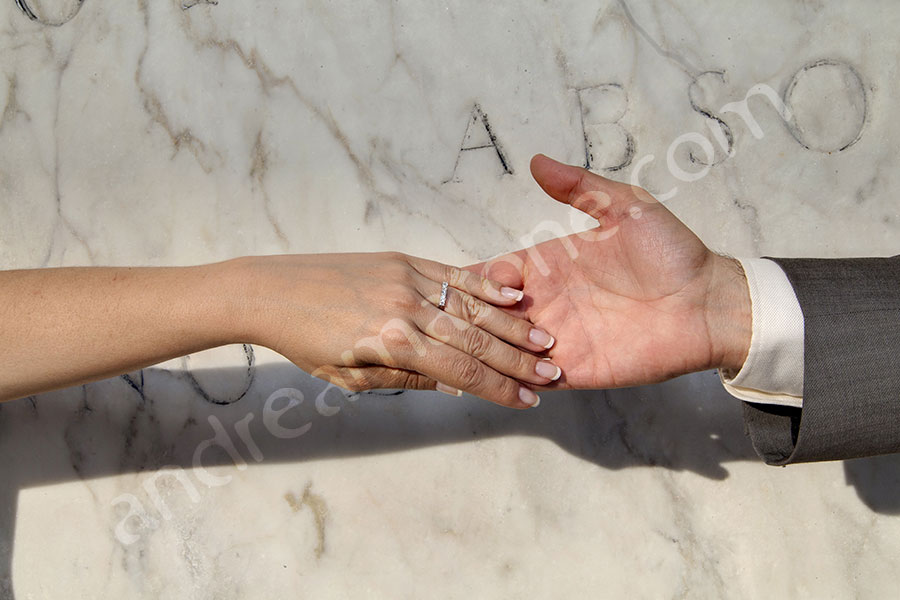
(628, 301)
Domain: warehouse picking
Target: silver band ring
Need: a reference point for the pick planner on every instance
(443, 301)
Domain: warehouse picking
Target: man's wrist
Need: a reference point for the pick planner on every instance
(729, 317)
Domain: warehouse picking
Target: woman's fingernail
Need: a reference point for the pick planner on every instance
(448, 390)
(512, 294)
(541, 338)
(547, 369)
(528, 397)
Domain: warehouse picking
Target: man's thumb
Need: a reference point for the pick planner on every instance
(578, 187)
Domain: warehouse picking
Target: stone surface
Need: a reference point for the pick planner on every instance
(151, 133)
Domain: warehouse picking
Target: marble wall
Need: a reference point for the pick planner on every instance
(168, 132)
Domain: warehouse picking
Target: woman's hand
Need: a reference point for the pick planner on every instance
(364, 321)
(359, 320)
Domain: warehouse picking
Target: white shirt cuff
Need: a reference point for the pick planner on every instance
(773, 371)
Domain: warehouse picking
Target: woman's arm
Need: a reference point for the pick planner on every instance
(362, 321)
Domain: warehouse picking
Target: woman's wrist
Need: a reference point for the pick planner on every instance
(234, 292)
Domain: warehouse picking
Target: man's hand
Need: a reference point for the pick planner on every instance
(638, 299)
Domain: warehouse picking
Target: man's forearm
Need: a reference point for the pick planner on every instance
(60, 327)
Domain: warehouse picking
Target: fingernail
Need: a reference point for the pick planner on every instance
(528, 397)
(541, 338)
(448, 390)
(512, 294)
(547, 369)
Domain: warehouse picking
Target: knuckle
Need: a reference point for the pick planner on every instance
(394, 338)
(485, 284)
(477, 343)
(455, 276)
(473, 310)
(354, 383)
(410, 381)
(509, 391)
(518, 333)
(469, 371)
(441, 327)
(366, 354)
(406, 274)
(394, 262)
(398, 272)
(581, 185)
(522, 364)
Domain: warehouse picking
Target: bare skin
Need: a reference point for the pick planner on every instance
(362, 321)
(638, 299)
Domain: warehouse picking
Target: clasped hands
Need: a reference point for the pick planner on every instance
(636, 300)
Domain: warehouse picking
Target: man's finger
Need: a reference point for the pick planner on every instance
(584, 190)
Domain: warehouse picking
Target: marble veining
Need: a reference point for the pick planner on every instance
(187, 131)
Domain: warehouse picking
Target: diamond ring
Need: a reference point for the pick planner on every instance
(443, 301)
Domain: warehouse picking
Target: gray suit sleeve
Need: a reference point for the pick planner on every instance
(851, 375)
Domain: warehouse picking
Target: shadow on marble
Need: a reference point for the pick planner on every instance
(158, 418)
(877, 481)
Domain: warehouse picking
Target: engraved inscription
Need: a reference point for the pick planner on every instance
(50, 12)
(480, 135)
(216, 388)
(186, 4)
(720, 130)
(830, 106)
(607, 145)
